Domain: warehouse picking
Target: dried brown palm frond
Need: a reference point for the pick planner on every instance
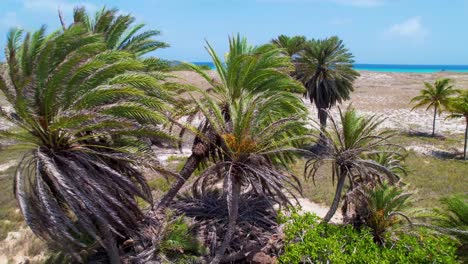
(256, 230)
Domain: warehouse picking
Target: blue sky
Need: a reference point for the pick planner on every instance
(376, 31)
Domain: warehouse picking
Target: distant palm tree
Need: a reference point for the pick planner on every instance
(458, 108)
(291, 46)
(325, 67)
(436, 96)
(119, 30)
(348, 150)
(81, 113)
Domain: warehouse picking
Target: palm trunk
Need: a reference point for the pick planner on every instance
(336, 199)
(233, 210)
(200, 150)
(434, 121)
(189, 167)
(322, 116)
(466, 138)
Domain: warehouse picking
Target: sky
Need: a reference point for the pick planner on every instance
(375, 31)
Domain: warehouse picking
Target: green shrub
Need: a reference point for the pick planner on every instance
(308, 240)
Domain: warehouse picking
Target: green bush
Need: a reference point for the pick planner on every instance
(308, 240)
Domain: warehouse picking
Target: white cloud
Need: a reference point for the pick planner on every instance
(411, 28)
(55, 5)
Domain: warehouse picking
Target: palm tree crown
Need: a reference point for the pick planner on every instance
(325, 67)
(435, 96)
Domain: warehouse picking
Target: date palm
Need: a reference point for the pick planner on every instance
(247, 71)
(458, 107)
(325, 67)
(348, 152)
(80, 114)
(253, 146)
(435, 96)
(119, 31)
(291, 46)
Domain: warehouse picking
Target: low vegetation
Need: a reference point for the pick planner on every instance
(308, 240)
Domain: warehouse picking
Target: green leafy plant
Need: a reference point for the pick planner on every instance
(435, 95)
(308, 240)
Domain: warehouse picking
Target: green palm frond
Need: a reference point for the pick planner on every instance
(119, 30)
(291, 46)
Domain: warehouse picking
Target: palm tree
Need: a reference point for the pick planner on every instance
(383, 205)
(348, 151)
(325, 67)
(291, 46)
(453, 219)
(436, 96)
(253, 148)
(458, 107)
(247, 70)
(119, 31)
(81, 113)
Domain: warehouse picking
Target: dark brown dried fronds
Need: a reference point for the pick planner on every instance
(256, 229)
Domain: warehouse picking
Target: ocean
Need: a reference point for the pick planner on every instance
(394, 67)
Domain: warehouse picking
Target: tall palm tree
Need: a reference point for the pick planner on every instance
(435, 95)
(325, 67)
(348, 151)
(119, 31)
(81, 113)
(247, 70)
(458, 108)
(291, 46)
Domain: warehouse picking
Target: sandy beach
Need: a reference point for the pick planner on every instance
(383, 93)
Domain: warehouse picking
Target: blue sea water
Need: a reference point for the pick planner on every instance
(395, 67)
